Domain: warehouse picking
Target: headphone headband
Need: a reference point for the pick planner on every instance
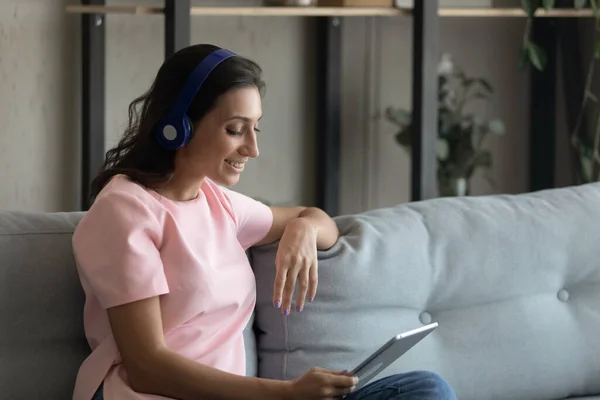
(175, 129)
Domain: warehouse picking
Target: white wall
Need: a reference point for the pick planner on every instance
(39, 99)
(37, 105)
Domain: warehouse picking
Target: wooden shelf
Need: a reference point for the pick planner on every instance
(84, 9)
(511, 12)
(301, 11)
(327, 11)
(248, 11)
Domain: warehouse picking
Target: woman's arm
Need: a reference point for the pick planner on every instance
(302, 232)
(153, 368)
(303, 218)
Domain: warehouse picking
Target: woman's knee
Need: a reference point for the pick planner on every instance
(435, 384)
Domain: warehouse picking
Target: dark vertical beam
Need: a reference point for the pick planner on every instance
(177, 25)
(92, 102)
(573, 78)
(542, 108)
(327, 102)
(425, 99)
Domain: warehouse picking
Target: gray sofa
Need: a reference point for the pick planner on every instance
(513, 281)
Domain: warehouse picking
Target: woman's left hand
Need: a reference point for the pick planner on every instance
(296, 261)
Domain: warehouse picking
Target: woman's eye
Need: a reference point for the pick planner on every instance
(233, 132)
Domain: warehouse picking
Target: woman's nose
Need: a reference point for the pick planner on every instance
(250, 148)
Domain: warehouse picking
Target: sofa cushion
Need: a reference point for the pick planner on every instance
(42, 342)
(585, 398)
(512, 280)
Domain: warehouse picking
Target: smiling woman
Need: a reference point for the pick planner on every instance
(161, 251)
(224, 140)
(228, 100)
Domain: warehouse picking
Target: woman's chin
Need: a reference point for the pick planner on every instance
(226, 179)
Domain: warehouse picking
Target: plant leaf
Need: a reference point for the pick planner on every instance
(579, 3)
(478, 94)
(446, 124)
(586, 166)
(537, 56)
(403, 138)
(497, 127)
(399, 116)
(486, 85)
(549, 4)
(442, 149)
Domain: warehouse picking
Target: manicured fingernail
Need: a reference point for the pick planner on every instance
(310, 300)
(286, 312)
(277, 304)
(299, 308)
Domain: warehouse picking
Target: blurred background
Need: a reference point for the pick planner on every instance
(40, 98)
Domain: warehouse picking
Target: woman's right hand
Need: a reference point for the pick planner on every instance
(322, 384)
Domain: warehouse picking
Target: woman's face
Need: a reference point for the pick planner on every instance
(225, 139)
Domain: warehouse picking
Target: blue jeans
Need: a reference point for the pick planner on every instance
(416, 385)
(99, 395)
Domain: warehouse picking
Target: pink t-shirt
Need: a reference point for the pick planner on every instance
(134, 244)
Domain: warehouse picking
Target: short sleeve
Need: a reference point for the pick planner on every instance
(116, 249)
(253, 218)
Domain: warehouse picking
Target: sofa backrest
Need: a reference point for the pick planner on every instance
(513, 281)
(42, 342)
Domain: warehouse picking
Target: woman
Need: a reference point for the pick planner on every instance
(161, 252)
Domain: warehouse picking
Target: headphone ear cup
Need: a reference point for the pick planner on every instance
(189, 129)
(176, 129)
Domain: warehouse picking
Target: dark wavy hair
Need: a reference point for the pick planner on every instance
(138, 154)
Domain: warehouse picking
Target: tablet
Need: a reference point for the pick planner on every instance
(388, 353)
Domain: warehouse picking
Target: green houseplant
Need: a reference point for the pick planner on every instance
(585, 145)
(462, 134)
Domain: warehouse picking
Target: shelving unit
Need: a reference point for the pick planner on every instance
(177, 18)
(326, 11)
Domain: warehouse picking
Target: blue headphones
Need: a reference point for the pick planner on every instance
(176, 129)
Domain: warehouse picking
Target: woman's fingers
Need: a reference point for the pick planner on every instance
(289, 271)
(285, 282)
(303, 282)
(288, 293)
(343, 380)
(279, 284)
(342, 384)
(313, 281)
